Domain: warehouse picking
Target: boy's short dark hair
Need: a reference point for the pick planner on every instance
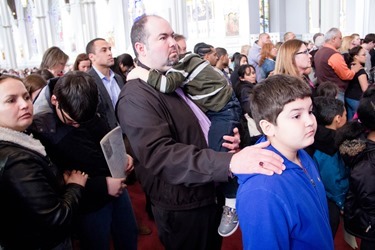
(77, 95)
(327, 89)
(366, 109)
(325, 109)
(268, 99)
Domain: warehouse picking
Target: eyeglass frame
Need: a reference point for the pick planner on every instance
(65, 119)
(306, 52)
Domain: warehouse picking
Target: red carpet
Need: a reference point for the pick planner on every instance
(151, 242)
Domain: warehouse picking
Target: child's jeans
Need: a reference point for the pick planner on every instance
(223, 122)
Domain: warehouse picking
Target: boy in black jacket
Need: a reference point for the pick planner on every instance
(66, 123)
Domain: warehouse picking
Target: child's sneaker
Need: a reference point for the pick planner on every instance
(229, 222)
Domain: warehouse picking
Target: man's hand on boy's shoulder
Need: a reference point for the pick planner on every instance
(256, 159)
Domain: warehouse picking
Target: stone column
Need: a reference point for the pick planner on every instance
(90, 19)
(278, 16)
(41, 20)
(10, 51)
(330, 15)
(179, 17)
(254, 19)
(369, 18)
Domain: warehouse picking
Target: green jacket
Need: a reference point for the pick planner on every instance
(205, 85)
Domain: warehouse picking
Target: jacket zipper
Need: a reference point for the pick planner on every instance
(369, 227)
(308, 176)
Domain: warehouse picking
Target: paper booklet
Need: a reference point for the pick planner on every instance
(115, 153)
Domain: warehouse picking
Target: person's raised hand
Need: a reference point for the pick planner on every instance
(256, 159)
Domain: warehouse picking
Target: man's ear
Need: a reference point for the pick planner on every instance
(91, 56)
(54, 100)
(267, 128)
(140, 48)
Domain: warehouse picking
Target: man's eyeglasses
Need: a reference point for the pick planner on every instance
(67, 120)
(71, 122)
(303, 52)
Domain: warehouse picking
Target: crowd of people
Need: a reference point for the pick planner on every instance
(277, 139)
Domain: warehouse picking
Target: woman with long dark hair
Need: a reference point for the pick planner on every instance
(358, 84)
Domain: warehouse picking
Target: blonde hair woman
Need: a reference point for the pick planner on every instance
(293, 59)
(346, 44)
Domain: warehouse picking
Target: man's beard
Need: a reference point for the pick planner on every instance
(172, 61)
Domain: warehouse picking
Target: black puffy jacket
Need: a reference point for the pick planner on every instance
(36, 208)
(359, 215)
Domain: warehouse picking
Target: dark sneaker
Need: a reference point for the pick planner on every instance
(229, 222)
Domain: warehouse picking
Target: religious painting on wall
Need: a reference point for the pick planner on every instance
(231, 24)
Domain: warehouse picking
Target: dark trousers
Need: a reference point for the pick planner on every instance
(334, 216)
(115, 219)
(189, 229)
(367, 245)
(229, 189)
(223, 122)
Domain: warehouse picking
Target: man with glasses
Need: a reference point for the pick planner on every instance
(67, 124)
